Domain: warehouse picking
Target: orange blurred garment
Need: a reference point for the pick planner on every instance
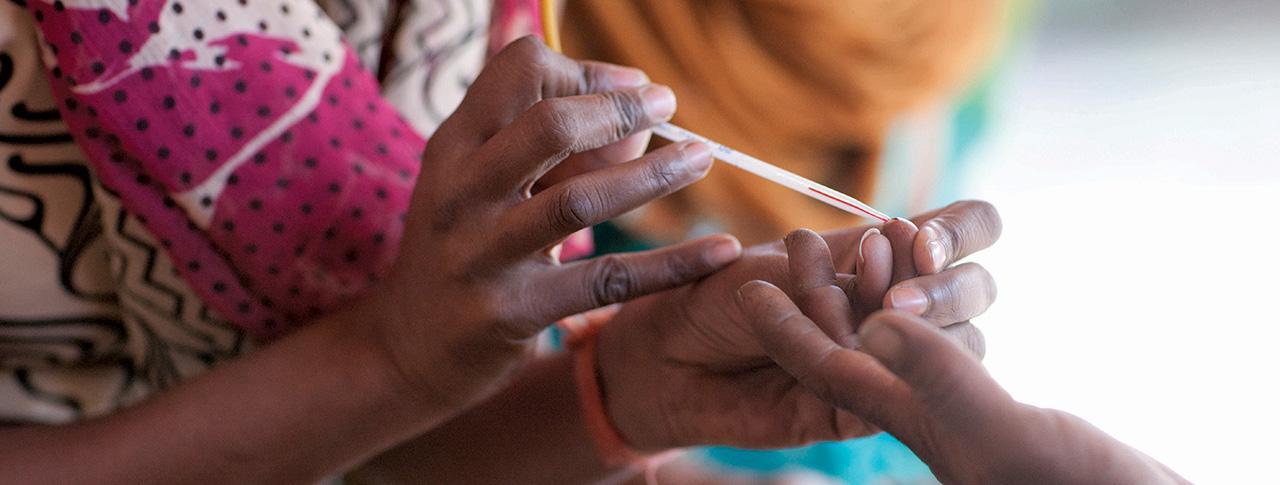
(811, 85)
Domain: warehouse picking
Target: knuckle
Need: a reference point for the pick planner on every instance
(663, 176)
(573, 208)
(528, 52)
(555, 119)
(628, 112)
(615, 280)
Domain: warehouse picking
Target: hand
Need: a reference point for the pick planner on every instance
(913, 381)
(474, 280)
(683, 367)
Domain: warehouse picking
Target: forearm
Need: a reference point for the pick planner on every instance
(532, 432)
(310, 405)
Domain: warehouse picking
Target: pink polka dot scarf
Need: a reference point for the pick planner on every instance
(248, 139)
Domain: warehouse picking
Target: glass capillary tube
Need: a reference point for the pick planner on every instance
(778, 175)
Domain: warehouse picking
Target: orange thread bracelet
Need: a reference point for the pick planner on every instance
(581, 332)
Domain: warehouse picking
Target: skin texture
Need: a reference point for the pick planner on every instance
(915, 382)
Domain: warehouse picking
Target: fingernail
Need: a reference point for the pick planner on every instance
(625, 77)
(908, 299)
(697, 155)
(906, 221)
(880, 340)
(870, 232)
(934, 244)
(659, 101)
(724, 252)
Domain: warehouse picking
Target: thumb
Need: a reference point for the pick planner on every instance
(946, 380)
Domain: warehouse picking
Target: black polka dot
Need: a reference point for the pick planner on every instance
(351, 256)
(117, 157)
(255, 204)
(193, 265)
(76, 38)
(185, 178)
(163, 153)
(310, 162)
(222, 16)
(39, 15)
(237, 132)
(153, 27)
(382, 149)
(57, 73)
(228, 226)
(333, 100)
(381, 193)
(89, 110)
(97, 67)
(357, 213)
(251, 248)
(141, 124)
(265, 66)
(306, 33)
(294, 291)
(346, 82)
(264, 111)
(334, 187)
(195, 81)
(334, 142)
(219, 60)
(404, 174)
(278, 227)
(282, 183)
(290, 92)
(242, 40)
(286, 136)
(219, 287)
(358, 168)
(330, 233)
(259, 158)
(306, 208)
(233, 179)
(215, 107)
(104, 16)
(309, 74)
(357, 124)
(243, 307)
(92, 133)
(125, 47)
(189, 131)
(327, 56)
(177, 7)
(169, 102)
(206, 201)
(379, 237)
(210, 154)
(313, 117)
(262, 25)
(71, 104)
(240, 86)
(59, 6)
(284, 8)
(174, 54)
(148, 74)
(120, 96)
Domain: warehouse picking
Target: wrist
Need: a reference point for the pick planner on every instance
(629, 386)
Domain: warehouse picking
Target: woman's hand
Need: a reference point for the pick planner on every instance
(684, 367)
(913, 381)
(475, 280)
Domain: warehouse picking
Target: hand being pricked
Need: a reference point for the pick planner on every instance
(900, 373)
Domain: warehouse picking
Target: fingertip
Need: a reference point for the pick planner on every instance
(724, 249)
(929, 253)
(907, 298)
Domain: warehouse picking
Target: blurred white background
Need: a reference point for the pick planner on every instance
(1136, 161)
